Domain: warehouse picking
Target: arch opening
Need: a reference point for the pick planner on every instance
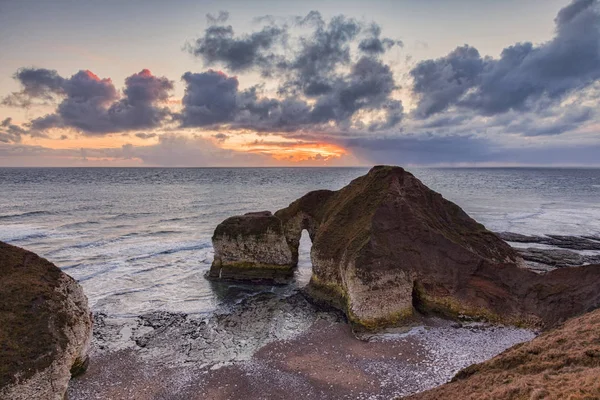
(304, 268)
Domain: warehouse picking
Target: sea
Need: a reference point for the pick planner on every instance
(139, 239)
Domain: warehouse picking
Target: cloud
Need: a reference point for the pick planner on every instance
(557, 122)
(41, 84)
(220, 45)
(442, 82)
(93, 105)
(213, 99)
(330, 80)
(177, 150)
(466, 150)
(172, 150)
(421, 149)
(524, 76)
(331, 77)
(220, 18)
(11, 133)
(374, 44)
(143, 135)
(221, 137)
(210, 98)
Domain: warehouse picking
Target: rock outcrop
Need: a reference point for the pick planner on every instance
(563, 363)
(45, 327)
(386, 246)
(562, 241)
(252, 247)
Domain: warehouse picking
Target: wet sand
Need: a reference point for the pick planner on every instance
(323, 361)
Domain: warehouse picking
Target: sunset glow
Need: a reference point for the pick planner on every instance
(275, 86)
(296, 152)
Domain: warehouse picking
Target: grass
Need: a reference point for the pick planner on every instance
(563, 363)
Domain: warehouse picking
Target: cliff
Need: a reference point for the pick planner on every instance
(45, 327)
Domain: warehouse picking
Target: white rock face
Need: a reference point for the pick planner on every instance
(251, 247)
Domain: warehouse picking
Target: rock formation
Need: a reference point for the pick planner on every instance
(386, 246)
(251, 247)
(563, 363)
(45, 327)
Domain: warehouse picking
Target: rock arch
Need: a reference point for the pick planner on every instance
(385, 243)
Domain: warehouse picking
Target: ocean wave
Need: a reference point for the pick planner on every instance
(19, 233)
(103, 242)
(128, 215)
(172, 250)
(173, 219)
(163, 232)
(80, 224)
(109, 268)
(25, 214)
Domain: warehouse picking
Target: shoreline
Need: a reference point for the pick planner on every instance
(278, 348)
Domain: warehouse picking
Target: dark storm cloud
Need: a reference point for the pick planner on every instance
(93, 105)
(329, 74)
(523, 75)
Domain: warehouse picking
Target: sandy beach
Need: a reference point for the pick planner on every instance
(320, 358)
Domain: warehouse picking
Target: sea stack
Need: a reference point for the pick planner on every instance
(251, 247)
(386, 246)
(45, 327)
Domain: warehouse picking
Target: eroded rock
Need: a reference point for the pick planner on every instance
(549, 259)
(562, 241)
(386, 246)
(252, 247)
(45, 327)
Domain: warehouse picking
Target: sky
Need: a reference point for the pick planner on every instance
(299, 83)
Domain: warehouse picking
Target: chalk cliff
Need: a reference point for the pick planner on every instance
(386, 246)
(45, 327)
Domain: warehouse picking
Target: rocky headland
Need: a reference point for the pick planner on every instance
(386, 248)
(45, 327)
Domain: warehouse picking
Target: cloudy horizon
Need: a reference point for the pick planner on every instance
(223, 84)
